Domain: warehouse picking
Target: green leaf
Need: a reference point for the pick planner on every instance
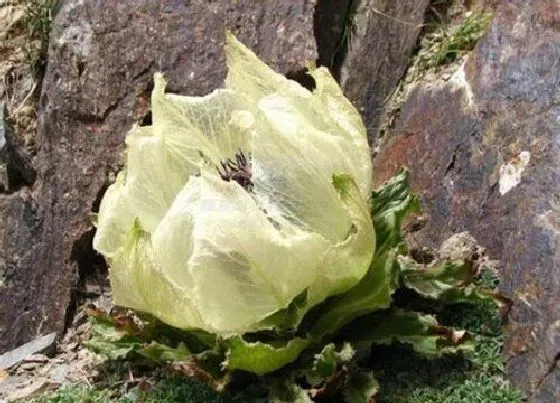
(161, 353)
(261, 358)
(390, 204)
(422, 332)
(109, 341)
(360, 388)
(207, 340)
(327, 361)
(110, 350)
(287, 319)
(449, 282)
(372, 293)
(107, 331)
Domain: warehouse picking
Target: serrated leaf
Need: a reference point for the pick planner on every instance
(107, 331)
(261, 358)
(106, 323)
(116, 337)
(389, 205)
(109, 341)
(327, 361)
(360, 388)
(372, 293)
(110, 350)
(161, 353)
(422, 332)
(449, 281)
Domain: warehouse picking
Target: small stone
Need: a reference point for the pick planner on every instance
(19, 354)
(36, 388)
(73, 346)
(83, 328)
(459, 246)
(29, 366)
(36, 358)
(60, 373)
(83, 354)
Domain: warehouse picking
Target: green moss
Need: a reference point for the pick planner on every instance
(172, 389)
(477, 390)
(37, 23)
(462, 39)
(179, 389)
(444, 44)
(475, 376)
(79, 393)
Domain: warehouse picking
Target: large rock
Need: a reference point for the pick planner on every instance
(102, 58)
(484, 152)
(381, 38)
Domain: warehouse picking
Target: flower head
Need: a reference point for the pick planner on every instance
(233, 204)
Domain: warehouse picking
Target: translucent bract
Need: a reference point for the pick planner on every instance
(200, 252)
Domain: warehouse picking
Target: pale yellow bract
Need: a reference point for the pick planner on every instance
(199, 252)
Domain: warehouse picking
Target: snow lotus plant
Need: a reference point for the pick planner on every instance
(245, 221)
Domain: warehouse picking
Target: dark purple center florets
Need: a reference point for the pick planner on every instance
(238, 170)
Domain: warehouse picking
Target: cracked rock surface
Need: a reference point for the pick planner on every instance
(383, 36)
(483, 151)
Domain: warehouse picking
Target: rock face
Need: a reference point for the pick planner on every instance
(381, 39)
(484, 152)
(102, 58)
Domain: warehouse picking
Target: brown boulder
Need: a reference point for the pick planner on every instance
(484, 152)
